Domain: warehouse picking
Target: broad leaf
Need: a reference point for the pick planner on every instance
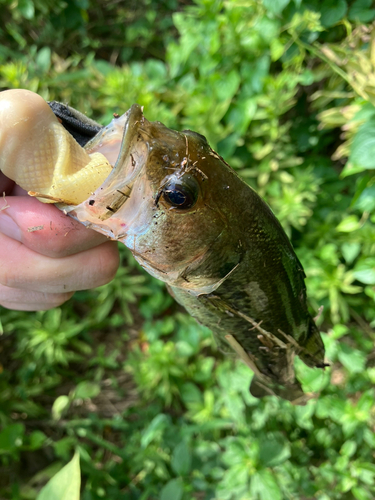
(181, 459)
(172, 490)
(65, 485)
(273, 450)
(363, 146)
(264, 486)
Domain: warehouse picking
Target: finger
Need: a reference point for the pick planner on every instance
(45, 229)
(26, 300)
(23, 268)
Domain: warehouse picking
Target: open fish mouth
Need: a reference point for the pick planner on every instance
(103, 209)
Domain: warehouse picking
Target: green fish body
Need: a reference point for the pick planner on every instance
(192, 222)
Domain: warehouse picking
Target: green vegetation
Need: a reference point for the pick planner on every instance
(285, 91)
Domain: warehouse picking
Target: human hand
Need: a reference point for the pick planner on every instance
(45, 256)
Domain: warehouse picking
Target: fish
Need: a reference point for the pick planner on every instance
(193, 223)
(187, 217)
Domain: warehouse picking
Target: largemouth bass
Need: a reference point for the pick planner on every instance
(192, 222)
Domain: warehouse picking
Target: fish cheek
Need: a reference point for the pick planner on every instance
(174, 239)
(188, 235)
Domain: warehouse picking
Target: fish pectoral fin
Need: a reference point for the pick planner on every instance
(259, 390)
(312, 353)
(291, 392)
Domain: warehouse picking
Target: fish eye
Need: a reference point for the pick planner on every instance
(181, 192)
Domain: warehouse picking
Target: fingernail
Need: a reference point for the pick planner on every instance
(10, 228)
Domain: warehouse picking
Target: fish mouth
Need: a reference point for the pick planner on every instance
(110, 196)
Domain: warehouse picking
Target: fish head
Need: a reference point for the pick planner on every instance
(167, 199)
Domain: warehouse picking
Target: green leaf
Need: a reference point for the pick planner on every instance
(263, 486)
(349, 224)
(366, 200)
(362, 493)
(332, 12)
(277, 49)
(86, 390)
(60, 405)
(331, 407)
(173, 490)
(26, 8)
(253, 74)
(181, 459)
(190, 394)
(339, 331)
(351, 169)
(360, 11)
(43, 59)
(64, 447)
(368, 467)
(312, 379)
(241, 114)
(363, 182)
(353, 360)
(154, 430)
(65, 485)
(11, 438)
(364, 271)
(304, 414)
(275, 6)
(348, 448)
(36, 440)
(228, 87)
(273, 449)
(350, 250)
(82, 4)
(362, 152)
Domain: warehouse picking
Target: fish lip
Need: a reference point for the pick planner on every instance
(117, 187)
(135, 118)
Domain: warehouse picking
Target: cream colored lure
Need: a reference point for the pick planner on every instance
(41, 156)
